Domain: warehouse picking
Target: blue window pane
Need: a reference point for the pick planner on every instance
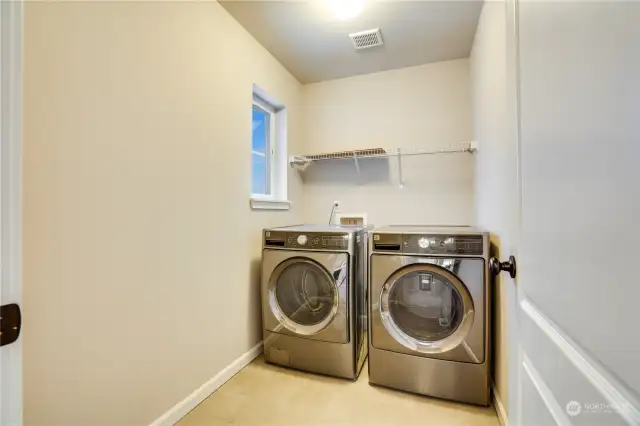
(260, 152)
(258, 173)
(260, 124)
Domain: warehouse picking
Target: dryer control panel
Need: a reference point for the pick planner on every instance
(458, 244)
(307, 240)
(469, 245)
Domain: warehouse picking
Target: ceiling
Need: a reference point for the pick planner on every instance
(314, 45)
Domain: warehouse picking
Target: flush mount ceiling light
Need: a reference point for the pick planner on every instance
(346, 9)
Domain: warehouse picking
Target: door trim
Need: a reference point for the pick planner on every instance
(545, 393)
(607, 385)
(11, 27)
(512, 60)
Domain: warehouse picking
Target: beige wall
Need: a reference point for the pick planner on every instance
(411, 108)
(494, 163)
(140, 250)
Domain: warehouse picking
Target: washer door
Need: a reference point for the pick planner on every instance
(426, 308)
(304, 296)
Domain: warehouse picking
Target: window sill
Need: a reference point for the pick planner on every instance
(258, 203)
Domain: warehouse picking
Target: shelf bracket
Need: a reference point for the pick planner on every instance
(399, 155)
(355, 159)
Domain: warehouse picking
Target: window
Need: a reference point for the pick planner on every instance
(268, 153)
(261, 152)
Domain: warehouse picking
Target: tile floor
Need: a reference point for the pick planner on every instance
(263, 394)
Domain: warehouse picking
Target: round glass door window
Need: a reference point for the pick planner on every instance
(303, 296)
(426, 308)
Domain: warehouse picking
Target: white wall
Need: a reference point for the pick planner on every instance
(421, 107)
(495, 164)
(140, 250)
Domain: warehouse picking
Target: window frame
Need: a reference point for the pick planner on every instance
(276, 146)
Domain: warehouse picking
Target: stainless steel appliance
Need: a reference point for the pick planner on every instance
(430, 312)
(314, 306)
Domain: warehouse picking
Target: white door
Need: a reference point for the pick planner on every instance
(576, 358)
(10, 128)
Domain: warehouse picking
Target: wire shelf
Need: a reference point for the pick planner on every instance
(302, 161)
(341, 155)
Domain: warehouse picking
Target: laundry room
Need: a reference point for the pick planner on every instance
(283, 121)
(293, 212)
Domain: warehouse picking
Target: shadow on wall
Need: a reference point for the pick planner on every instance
(255, 296)
(494, 251)
(500, 347)
(435, 189)
(344, 172)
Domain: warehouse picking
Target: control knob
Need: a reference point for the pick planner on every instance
(302, 240)
(424, 243)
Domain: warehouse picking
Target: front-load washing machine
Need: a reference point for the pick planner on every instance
(430, 297)
(314, 305)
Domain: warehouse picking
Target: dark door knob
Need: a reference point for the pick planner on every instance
(10, 323)
(496, 266)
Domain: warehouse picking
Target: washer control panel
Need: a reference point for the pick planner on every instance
(307, 240)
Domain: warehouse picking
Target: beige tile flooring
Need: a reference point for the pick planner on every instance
(263, 394)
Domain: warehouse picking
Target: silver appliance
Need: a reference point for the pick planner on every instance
(314, 306)
(430, 312)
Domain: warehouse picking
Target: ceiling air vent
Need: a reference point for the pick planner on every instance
(367, 39)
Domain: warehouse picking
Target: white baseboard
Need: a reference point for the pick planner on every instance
(497, 403)
(181, 409)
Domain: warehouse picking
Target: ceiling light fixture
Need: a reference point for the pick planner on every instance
(346, 9)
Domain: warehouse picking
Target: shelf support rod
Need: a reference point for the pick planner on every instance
(400, 181)
(355, 159)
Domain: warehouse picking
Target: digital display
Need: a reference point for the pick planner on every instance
(334, 241)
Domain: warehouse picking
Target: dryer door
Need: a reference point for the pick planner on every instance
(425, 308)
(306, 295)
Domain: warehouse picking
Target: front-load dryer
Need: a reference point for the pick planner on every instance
(314, 293)
(430, 312)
